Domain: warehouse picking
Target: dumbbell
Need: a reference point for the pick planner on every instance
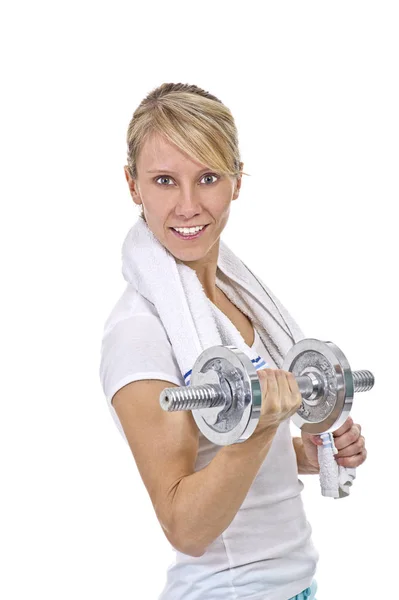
(225, 394)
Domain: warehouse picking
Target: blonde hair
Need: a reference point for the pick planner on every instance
(194, 120)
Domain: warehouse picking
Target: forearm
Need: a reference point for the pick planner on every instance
(304, 467)
(207, 501)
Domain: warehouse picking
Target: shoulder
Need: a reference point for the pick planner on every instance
(135, 345)
(134, 324)
(129, 305)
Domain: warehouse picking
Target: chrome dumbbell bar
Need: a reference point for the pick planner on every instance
(225, 394)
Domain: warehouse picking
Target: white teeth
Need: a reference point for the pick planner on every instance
(188, 231)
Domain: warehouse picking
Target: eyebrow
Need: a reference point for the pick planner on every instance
(174, 172)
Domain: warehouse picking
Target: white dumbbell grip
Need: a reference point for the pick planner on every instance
(335, 480)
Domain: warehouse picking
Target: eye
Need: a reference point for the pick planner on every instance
(210, 175)
(167, 177)
(162, 177)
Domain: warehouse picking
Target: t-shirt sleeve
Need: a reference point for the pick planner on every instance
(135, 348)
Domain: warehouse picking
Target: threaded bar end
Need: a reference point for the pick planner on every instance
(192, 397)
(363, 381)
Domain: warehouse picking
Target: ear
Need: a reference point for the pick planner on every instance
(238, 184)
(132, 183)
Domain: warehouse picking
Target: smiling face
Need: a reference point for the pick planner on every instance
(178, 192)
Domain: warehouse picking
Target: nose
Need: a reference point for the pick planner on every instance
(187, 205)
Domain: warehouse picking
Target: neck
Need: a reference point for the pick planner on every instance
(206, 273)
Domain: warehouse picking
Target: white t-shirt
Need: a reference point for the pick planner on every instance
(266, 553)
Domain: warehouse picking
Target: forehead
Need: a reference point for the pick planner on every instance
(158, 153)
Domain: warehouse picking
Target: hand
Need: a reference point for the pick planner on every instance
(348, 441)
(281, 398)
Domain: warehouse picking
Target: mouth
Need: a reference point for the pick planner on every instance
(194, 236)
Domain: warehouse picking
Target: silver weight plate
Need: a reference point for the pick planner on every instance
(328, 363)
(235, 373)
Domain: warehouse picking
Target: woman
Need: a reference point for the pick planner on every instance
(234, 515)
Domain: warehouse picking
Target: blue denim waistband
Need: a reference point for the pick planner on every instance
(309, 593)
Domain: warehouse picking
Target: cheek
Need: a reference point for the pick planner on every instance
(219, 201)
(226, 210)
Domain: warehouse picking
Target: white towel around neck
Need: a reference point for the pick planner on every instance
(192, 324)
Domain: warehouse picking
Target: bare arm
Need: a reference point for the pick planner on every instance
(207, 501)
(304, 468)
(195, 507)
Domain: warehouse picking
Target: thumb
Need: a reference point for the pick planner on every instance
(315, 439)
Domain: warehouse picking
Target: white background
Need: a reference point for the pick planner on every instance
(313, 87)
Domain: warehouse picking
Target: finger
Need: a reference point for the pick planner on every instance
(272, 382)
(270, 389)
(293, 384)
(348, 438)
(283, 385)
(287, 407)
(345, 427)
(352, 449)
(353, 461)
